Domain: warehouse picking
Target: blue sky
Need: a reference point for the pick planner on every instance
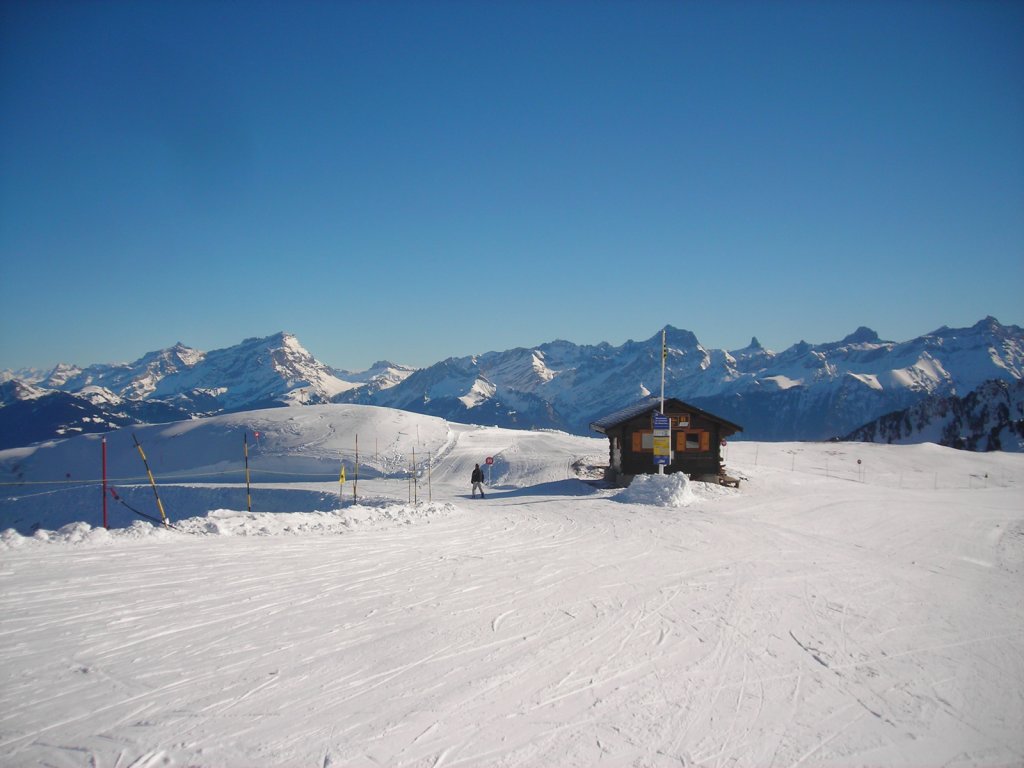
(420, 180)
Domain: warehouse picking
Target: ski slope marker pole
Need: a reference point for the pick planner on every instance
(152, 481)
(105, 524)
(248, 488)
(355, 481)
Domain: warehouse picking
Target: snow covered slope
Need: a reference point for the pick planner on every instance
(827, 613)
(991, 418)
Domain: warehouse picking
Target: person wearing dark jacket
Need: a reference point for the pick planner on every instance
(478, 482)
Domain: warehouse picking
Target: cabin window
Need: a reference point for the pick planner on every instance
(693, 440)
(643, 440)
(680, 421)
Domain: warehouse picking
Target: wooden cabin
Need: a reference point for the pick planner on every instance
(696, 440)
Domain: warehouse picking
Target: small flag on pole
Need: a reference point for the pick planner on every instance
(341, 477)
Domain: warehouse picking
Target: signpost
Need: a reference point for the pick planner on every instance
(662, 426)
(661, 440)
(490, 463)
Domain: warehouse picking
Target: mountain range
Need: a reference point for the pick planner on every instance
(806, 392)
(991, 418)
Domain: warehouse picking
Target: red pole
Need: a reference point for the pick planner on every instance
(105, 525)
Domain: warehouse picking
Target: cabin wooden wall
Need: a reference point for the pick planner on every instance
(696, 445)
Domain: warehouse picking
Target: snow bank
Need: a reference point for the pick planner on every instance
(81, 533)
(53, 510)
(659, 491)
(227, 522)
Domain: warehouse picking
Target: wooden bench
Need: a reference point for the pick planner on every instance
(726, 480)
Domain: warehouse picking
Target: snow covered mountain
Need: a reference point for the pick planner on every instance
(173, 384)
(991, 418)
(276, 370)
(381, 375)
(132, 381)
(807, 392)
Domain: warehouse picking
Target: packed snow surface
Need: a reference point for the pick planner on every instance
(849, 605)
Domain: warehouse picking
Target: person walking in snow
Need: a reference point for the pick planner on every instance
(478, 482)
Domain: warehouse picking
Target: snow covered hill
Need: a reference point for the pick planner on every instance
(850, 604)
(991, 418)
(292, 446)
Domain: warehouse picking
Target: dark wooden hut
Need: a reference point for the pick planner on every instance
(696, 439)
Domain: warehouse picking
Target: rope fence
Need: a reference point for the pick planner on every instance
(841, 465)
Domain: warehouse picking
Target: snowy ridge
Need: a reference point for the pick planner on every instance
(991, 418)
(17, 390)
(257, 371)
(805, 392)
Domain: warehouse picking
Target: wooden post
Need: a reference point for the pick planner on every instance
(152, 482)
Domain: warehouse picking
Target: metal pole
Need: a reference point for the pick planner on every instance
(248, 486)
(105, 525)
(664, 354)
(355, 483)
(415, 479)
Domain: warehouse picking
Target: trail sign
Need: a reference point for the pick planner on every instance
(661, 439)
(662, 450)
(489, 460)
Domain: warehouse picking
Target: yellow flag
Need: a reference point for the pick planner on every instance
(341, 478)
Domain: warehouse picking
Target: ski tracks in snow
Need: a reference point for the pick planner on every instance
(554, 632)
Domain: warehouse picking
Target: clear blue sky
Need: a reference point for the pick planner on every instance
(423, 179)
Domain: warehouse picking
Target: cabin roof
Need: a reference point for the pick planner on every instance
(651, 403)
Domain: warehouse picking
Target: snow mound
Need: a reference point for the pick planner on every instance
(80, 534)
(659, 491)
(227, 522)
